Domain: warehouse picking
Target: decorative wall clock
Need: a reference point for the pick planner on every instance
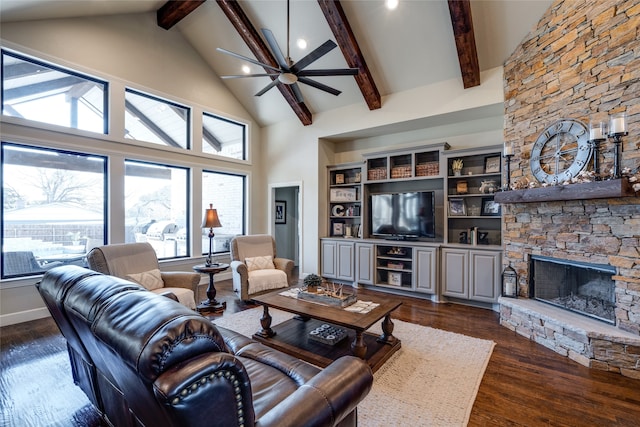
(561, 151)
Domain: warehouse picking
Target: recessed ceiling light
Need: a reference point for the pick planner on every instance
(302, 43)
(391, 4)
(246, 69)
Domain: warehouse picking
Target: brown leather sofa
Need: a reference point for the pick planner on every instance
(144, 359)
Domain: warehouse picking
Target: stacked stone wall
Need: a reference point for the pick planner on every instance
(582, 61)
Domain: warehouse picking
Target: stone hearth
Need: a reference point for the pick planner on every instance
(591, 343)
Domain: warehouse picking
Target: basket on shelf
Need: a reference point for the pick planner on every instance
(428, 169)
(377, 173)
(403, 171)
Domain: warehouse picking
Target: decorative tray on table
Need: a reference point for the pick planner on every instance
(331, 294)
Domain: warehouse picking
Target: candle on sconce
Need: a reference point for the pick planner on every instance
(508, 149)
(618, 124)
(597, 131)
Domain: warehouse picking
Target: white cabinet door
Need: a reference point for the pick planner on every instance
(484, 270)
(328, 251)
(345, 261)
(455, 273)
(364, 263)
(425, 267)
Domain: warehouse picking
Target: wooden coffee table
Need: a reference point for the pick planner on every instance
(292, 336)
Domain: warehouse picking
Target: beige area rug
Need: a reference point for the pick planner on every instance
(432, 380)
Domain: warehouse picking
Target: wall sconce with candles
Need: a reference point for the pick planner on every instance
(597, 134)
(508, 154)
(210, 221)
(617, 129)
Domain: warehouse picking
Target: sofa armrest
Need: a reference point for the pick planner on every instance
(285, 265)
(205, 390)
(181, 279)
(326, 399)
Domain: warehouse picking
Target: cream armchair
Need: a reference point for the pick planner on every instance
(255, 266)
(138, 262)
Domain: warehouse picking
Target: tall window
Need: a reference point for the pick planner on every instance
(223, 137)
(53, 208)
(156, 207)
(156, 120)
(45, 93)
(226, 192)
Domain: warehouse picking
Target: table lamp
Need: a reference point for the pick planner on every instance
(210, 220)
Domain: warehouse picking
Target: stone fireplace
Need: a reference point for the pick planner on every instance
(577, 63)
(578, 287)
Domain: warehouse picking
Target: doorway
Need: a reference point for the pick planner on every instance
(285, 220)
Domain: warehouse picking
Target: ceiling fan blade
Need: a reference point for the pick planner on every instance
(297, 93)
(246, 58)
(318, 85)
(269, 86)
(330, 72)
(273, 44)
(250, 75)
(316, 54)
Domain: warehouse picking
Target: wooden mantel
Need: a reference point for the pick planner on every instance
(613, 188)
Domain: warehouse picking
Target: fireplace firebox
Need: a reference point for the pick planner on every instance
(584, 288)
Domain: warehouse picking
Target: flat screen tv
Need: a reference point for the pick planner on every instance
(402, 215)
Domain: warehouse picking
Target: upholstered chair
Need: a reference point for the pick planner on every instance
(256, 268)
(138, 263)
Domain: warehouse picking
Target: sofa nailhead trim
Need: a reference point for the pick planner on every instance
(202, 381)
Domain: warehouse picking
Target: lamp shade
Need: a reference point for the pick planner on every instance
(211, 218)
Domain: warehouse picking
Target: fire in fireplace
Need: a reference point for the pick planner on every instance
(580, 287)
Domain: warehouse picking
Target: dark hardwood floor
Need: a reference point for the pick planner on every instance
(525, 384)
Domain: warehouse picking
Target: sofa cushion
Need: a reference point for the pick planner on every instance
(184, 295)
(262, 280)
(151, 279)
(260, 263)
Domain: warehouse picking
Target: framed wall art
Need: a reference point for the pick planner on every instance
(457, 207)
(492, 164)
(281, 212)
(490, 207)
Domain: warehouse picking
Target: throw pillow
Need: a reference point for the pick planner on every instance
(260, 263)
(151, 280)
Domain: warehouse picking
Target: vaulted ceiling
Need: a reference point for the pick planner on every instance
(420, 43)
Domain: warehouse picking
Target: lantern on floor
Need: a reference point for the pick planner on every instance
(509, 282)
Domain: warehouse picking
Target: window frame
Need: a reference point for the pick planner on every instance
(245, 133)
(36, 147)
(188, 120)
(61, 69)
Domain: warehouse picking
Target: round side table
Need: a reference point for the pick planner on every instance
(211, 305)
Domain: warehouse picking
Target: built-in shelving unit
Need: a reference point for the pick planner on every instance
(394, 266)
(345, 200)
(473, 215)
(419, 163)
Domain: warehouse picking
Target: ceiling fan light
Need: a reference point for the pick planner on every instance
(288, 78)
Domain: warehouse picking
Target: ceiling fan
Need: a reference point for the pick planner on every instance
(289, 72)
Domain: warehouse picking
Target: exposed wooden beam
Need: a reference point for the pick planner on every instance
(460, 11)
(250, 35)
(341, 29)
(174, 10)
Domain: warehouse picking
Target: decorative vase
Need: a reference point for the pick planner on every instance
(457, 172)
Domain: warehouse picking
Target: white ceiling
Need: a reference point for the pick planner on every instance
(406, 48)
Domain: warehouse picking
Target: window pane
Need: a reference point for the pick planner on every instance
(223, 137)
(226, 192)
(156, 208)
(53, 208)
(155, 120)
(36, 91)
